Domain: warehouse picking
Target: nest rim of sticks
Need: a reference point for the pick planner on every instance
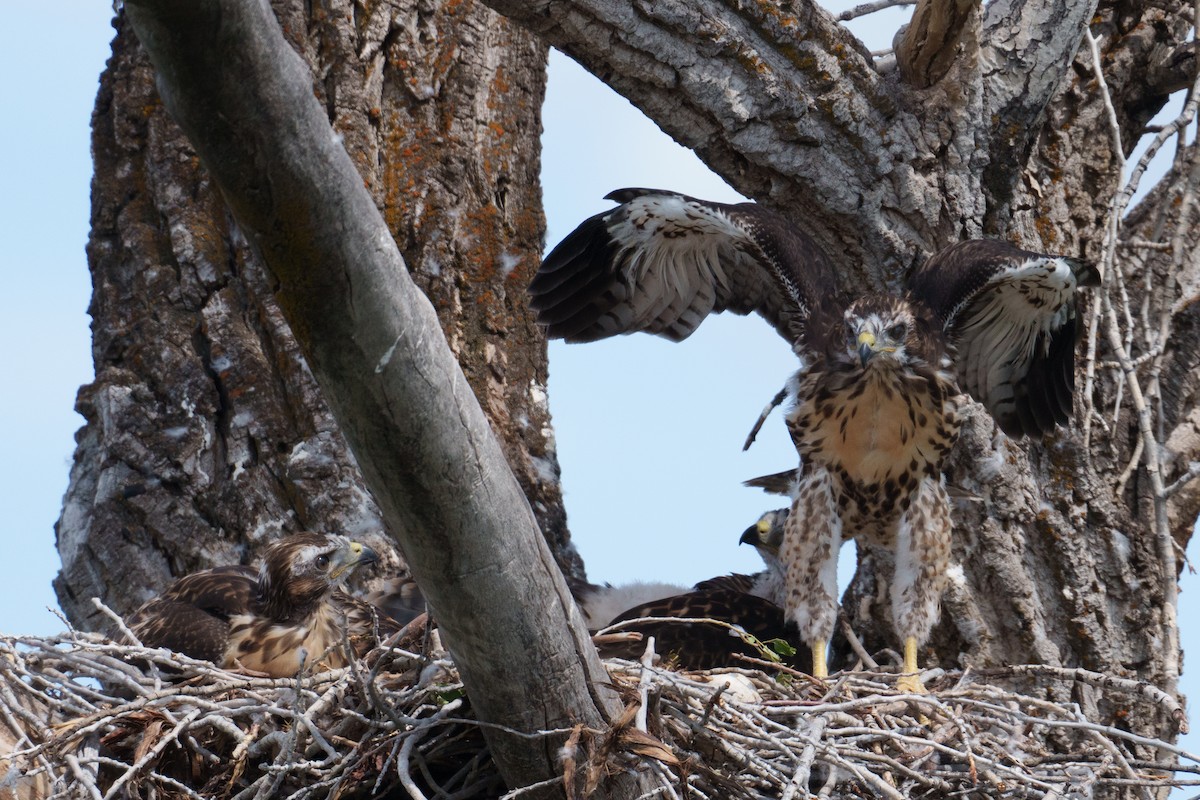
(99, 716)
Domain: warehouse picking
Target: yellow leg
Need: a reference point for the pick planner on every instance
(819, 669)
(910, 681)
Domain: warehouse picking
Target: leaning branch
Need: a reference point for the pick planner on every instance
(246, 102)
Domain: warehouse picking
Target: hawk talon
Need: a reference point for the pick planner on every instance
(820, 669)
(910, 678)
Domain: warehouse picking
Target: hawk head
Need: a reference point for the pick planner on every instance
(882, 330)
(767, 534)
(300, 571)
(767, 537)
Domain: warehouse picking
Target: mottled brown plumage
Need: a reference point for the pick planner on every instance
(878, 401)
(750, 602)
(287, 614)
(400, 598)
(702, 645)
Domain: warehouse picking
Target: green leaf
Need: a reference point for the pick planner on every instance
(782, 647)
(449, 695)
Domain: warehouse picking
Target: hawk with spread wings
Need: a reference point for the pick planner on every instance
(284, 615)
(877, 403)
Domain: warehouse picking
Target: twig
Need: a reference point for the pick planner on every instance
(871, 8)
(855, 644)
(1147, 691)
(799, 781)
(1193, 472)
(84, 777)
(644, 684)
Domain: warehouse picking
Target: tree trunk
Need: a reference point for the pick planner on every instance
(206, 436)
(994, 124)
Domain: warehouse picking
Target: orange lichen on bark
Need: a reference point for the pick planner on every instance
(1046, 229)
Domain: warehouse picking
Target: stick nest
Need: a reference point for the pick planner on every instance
(82, 717)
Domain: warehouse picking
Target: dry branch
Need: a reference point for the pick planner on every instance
(870, 8)
(1115, 321)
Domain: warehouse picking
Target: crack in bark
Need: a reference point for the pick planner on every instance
(927, 47)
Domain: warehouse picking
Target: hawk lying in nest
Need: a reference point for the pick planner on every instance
(285, 615)
(752, 603)
(877, 403)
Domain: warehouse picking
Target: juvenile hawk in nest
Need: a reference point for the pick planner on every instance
(883, 377)
(275, 619)
(749, 602)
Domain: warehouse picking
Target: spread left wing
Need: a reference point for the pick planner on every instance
(661, 262)
(1011, 315)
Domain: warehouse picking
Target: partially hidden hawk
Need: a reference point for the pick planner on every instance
(748, 602)
(877, 402)
(287, 614)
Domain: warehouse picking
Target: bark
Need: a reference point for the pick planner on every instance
(206, 435)
(1061, 560)
(928, 46)
(245, 101)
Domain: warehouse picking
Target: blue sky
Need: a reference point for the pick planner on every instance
(45, 343)
(649, 433)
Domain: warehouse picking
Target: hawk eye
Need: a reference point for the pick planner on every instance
(322, 561)
(897, 331)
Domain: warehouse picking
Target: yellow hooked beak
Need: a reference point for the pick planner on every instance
(866, 346)
(350, 556)
(755, 533)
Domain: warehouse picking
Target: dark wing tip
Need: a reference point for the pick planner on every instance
(1086, 273)
(567, 294)
(633, 192)
(775, 483)
(563, 262)
(1044, 399)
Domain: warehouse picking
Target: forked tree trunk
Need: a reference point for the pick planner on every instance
(206, 436)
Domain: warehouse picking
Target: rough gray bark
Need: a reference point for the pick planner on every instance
(1061, 559)
(206, 435)
(928, 46)
(427, 453)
